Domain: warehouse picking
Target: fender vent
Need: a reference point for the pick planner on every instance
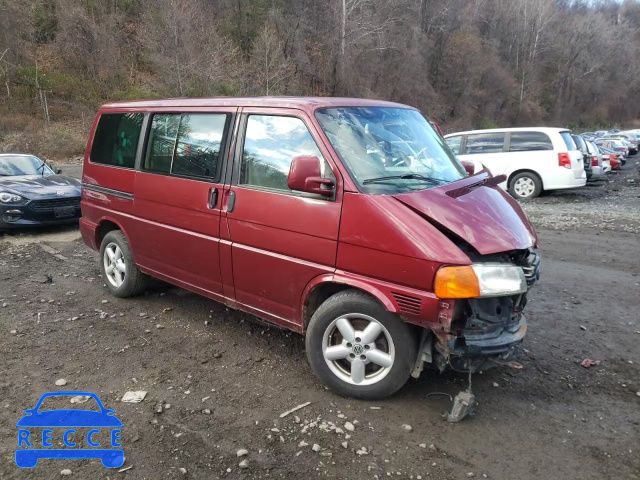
(407, 303)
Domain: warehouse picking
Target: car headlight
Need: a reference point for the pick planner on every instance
(6, 197)
(480, 280)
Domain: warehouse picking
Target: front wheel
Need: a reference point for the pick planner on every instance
(525, 185)
(358, 348)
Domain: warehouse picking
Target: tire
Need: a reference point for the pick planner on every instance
(353, 373)
(127, 279)
(525, 186)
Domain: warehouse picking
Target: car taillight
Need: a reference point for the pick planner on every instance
(564, 160)
(594, 161)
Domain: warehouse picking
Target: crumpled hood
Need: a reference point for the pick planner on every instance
(486, 217)
(38, 186)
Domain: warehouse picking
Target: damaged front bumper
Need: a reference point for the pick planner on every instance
(479, 333)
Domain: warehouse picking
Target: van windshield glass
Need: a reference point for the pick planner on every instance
(389, 150)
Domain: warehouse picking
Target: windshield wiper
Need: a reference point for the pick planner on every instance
(407, 176)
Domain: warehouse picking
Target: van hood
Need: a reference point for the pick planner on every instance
(484, 216)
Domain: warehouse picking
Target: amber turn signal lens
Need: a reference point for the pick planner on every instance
(456, 282)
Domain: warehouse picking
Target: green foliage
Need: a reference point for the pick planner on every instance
(485, 123)
(45, 22)
(135, 92)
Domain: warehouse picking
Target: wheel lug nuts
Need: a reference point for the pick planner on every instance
(363, 357)
(358, 339)
(367, 347)
(352, 355)
(348, 345)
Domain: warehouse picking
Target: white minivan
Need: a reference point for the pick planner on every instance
(533, 159)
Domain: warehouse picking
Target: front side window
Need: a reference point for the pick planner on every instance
(116, 139)
(185, 144)
(529, 141)
(485, 143)
(454, 144)
(389, 150)
(270, 144)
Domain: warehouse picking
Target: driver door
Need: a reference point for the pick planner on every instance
(280, 239)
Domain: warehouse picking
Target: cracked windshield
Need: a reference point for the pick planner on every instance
(389, 150)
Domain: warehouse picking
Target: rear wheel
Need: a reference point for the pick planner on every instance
(358, 348)
(525, 185)
(121, 274)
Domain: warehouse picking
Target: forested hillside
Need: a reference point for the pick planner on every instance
(464, 63)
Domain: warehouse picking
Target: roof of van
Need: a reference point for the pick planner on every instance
(304, 103)
(520, 129)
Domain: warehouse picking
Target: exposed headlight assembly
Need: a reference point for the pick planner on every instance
(480, 280)
(6, 197)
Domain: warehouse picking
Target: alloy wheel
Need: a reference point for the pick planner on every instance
(115, 267)
(358, 349)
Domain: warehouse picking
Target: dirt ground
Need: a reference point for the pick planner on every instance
(227, 377)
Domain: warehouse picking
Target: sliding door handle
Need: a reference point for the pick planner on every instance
(213, 197)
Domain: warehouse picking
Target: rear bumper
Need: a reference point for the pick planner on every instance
(564, 178)
(88, 232)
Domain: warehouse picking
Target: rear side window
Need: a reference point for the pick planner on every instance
(454, 143)
(568, 140)
(485, 143)
(271, 143)
(116, 139)
(185, 144)
(529, 141)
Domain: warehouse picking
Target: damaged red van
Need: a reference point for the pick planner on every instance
(347, 220)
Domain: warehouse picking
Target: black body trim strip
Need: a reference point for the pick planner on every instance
(108, 191)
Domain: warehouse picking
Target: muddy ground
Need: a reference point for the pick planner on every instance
(227, 377)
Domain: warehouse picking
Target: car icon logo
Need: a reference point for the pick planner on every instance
(74, 428)
(61, 193)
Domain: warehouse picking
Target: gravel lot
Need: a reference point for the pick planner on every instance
(227, 377)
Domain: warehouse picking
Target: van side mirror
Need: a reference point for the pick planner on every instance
(58, 171)
(468, 166)
(305, 175)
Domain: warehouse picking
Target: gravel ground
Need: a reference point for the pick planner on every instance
(218, 380)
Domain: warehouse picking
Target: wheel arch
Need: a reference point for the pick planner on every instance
(324, 286)
(524, 170)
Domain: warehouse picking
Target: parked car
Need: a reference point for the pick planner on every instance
(533, 159)
(615, 145)
(601, 133)
(630, 140)
(32, 194)
(612, 155)
(586, 158)
(597, 162)
(348, 220)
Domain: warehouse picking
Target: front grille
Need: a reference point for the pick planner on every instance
(52, 203)
(407, 303)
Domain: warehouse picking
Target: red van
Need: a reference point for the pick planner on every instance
(347, 220)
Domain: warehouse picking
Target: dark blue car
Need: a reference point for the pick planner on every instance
(32, 194)
(61, 424)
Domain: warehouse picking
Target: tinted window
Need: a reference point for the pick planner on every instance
(198, 146)
(528, 141)
(162, 141)
(485, 143)
(186, 144)
(580, 143)
(270, 144)
(454, 144)
(116, 139)
(568, 140)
